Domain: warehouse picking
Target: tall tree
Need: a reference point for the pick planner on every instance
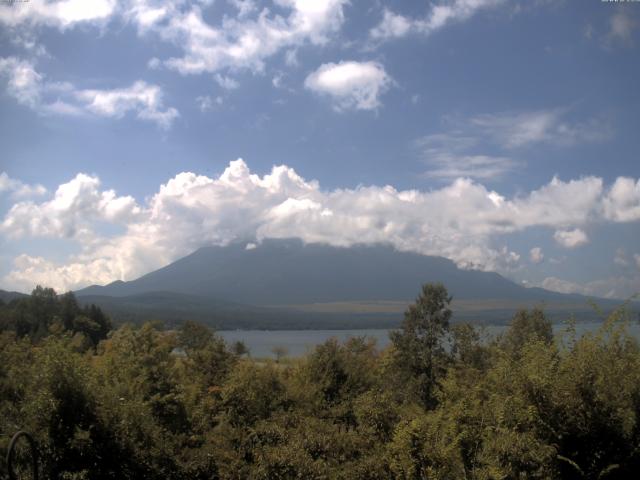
(418, 347)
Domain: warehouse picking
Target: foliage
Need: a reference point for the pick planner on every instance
(418, 349)
(44, 313)
(439, 403)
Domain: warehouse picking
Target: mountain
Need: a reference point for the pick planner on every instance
(6, 296)
(292, 283)
(284, 272)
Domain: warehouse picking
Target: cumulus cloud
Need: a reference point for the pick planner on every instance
(535, 255)
(244, 42)
(30, 271)
(71, 212)
(19, 189)
(439, 15)
(32, 89)
(350, 85)
(462, 221)
(241, 42)
(622, 203)
(143, 99)
(571, 238)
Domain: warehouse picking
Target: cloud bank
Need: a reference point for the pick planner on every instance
(462, 221)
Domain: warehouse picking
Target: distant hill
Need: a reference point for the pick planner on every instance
(291, 284)
(8, 296)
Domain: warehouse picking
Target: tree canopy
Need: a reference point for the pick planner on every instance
(442, 401)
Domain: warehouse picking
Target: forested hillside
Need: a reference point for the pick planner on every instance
(441, 402)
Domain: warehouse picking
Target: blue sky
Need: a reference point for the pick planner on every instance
(500, 134)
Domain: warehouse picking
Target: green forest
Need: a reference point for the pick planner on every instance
(441, 402)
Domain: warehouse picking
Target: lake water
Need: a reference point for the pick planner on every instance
(299, 342)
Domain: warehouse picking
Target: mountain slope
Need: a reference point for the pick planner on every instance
(283, 272)
(6, 296)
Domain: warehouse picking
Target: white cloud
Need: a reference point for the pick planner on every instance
(245, 7)
(61, 14)
(278, 80)
(227, 83)
(19, 189)
(30, 271)
(472, 166)
(622, 202)
(207, 103)
(351, 85)
(535, 255)
(23, 82)
(71, 212)
(463, 221)
(571, 238)
(392, 25)
(143, 99)
(620, 258)
(513, 130)
(468, 148)
(32, 89)
(439, 16)
(622, 25)
(613, 287)
(245, 43)
(451, 156)
(563, 286)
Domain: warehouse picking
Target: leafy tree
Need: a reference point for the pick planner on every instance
(194, 336)
(527, 326)
(468, 349)
(418, 348)
(252, 393)
(154, 404)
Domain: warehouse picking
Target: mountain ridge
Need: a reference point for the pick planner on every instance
(289, 284)
(290, 271)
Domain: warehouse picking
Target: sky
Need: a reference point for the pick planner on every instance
(501, 134)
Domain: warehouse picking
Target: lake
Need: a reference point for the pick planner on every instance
(300, 342)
